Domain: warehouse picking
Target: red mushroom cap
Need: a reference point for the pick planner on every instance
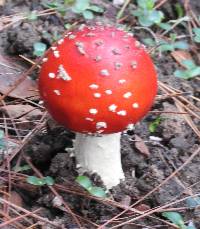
(98, 80)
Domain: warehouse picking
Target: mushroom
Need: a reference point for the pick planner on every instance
(97, 81)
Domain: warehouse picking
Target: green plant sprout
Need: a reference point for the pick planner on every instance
(192, 70)
(82, 7)
(171, 46)
(177, 219)
(40, 181)
(86, 183)
(165, 46)
(179, 10)
(154, 125)
(32, 16)
(196, 35)
(146, 14)
(39, 49)
(57, 5)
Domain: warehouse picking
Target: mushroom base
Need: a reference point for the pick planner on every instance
(100, 154)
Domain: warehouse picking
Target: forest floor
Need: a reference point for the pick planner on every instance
(160, 156)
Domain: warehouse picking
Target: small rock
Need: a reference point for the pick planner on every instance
(118, 2)
(57, 202)
(180, 143)
(126, 200)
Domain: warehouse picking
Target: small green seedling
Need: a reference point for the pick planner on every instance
(2, 140)
(58, 6)
(32, 16)
(40, 181)
(83, 7)
(171, 46)
(179, 10)
(196, 35)
(39, 49)
(177, 219)
(165, 46)
(86, 183)
(146, 14)
(68, 26)
(192, 70)
(154, 125)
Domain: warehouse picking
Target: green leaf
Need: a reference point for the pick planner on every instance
(137, 12)
(154, 125)
(181, 45)
(21, 168)
(2, 141)
(166, 47)
(36, 181)
(32, 16)
(52, 5)
(156, 16)
(193, 202)
(84, 181)
(1, 134)
(62, 10)
(80, 6)
(197, 39)
(197, 31)
(49, 180)
(149, 41)
(88, 15)
(66, 2)
(67, 26)
(165, 26)
(175, 218)
(189, 64)
(181, 74)
(179, 10)
(96, 9)
(144, 21)
(197, 35)
(97, 191)
(39, 48)
(194, 72)
(173, 36)
(148, 18)
(146, 4)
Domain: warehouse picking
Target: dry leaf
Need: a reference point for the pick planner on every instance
(143, 207)
(141, 146)
(16, 199)
(10, 73)
(180, 56)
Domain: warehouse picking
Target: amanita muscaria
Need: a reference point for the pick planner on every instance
(97, 81)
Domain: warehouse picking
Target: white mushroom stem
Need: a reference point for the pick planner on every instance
(100, 154)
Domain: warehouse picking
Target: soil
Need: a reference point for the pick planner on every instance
(50, 148)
